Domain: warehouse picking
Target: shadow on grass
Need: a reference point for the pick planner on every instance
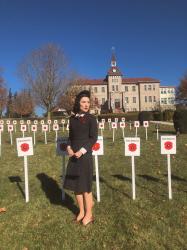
(17, 180)
(176, 178)
(121, 177)
(102, 180)
(146, 177)
(149, 178)
(54, 193)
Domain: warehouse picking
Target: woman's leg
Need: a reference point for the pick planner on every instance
(88, 198)
(80, 201)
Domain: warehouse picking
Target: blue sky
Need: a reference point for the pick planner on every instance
(149, 36)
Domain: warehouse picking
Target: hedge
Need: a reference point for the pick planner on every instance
(180, 121)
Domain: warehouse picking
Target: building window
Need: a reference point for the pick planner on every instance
(145, 98)
(145, 87)
(171, 100)
(149, 87)
(162, 92)
(116, 87)
(163, 100)
(153, 87)
(126, 88)
(150, 98)
(113, 89)
(133, 88)
(95, 89)
(126, 100)
(134, 99)
(103, 101)
(103, 89)
(154, 98)
(134, 109)
(114, 80)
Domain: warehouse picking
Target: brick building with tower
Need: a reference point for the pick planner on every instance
(121, 94)
(118, 94)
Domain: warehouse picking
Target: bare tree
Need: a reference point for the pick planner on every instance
(23, 104)
(66, 100)
(45, 71)
(182, 88)
(3, 93)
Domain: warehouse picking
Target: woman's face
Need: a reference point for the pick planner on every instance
(84, 104)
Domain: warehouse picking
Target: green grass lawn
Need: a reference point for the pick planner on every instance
(152, 221)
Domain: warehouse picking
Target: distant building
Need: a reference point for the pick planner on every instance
(117, 93)
(121, 94)
(59, 112)
(167, 97)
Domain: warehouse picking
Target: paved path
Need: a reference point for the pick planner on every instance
(164, 123)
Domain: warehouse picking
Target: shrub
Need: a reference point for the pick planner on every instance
(168, 115)
(158, 116)
(180, 121)
(145, 116)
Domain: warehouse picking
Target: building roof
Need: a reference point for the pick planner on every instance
(139, 80)
(95, 82)
(124, 81)
(57, 109)
(171, 87)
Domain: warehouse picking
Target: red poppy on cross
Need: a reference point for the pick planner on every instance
(24, 147)
(168, 145)
(132, 147)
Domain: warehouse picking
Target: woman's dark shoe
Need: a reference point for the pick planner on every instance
(89, 222)
(77, 221)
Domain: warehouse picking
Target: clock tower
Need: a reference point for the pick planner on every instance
(113, 60)
(114, 78)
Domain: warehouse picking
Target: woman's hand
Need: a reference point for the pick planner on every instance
(70, 151)
(78, 154)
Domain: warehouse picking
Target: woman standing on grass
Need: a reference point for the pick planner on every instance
(83, 134)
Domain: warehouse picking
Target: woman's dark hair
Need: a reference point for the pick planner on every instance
(84, 93)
